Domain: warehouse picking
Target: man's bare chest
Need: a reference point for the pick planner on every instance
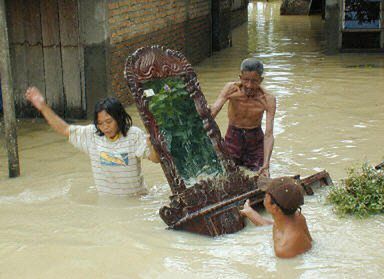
(247, 105)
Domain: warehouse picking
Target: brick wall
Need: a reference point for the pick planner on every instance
(221, 24)
(180, 25)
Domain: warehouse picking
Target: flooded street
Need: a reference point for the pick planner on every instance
(330, 115)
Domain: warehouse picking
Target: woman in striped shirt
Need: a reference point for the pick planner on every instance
(114, 146)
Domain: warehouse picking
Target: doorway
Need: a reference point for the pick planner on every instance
(46, 52)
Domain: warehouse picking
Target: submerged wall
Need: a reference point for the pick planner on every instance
(94, 38)
(295, 7)
(359, 29)
(221, 24)
(75, 51)
(239, 13)
(332, 25)
(47, 52)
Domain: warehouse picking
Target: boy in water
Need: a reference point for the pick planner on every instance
(282, 200)
(114, 146)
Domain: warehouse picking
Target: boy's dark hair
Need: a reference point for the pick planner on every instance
(114, 108)
(286, 194)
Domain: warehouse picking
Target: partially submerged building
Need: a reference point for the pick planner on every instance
(302, 7)
(75, 50)
(355, 25)
(350, 25)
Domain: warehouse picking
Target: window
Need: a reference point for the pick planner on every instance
(362, 14)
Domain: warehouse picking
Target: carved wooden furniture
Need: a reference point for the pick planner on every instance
(380, 166)
(207, 187)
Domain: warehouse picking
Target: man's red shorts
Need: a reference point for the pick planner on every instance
(246, 146)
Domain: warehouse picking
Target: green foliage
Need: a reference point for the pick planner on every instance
(360, 194)
(182, 129)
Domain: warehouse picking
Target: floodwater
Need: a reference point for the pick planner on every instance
(330, 116)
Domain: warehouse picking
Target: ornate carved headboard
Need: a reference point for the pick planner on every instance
(163, 83)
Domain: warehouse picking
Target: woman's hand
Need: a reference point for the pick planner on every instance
(34, 96)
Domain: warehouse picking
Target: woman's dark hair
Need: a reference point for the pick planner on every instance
(114, 108)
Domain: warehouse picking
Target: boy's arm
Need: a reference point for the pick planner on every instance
(224, 95)
(255, 217)
(59, 125)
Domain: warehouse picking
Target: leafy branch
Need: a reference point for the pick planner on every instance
(360, 194)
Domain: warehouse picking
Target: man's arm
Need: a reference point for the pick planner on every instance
(224, 95)
(268, 135)
(59, 125)
(255, 217)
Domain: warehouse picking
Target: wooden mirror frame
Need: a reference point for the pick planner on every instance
(211, 206)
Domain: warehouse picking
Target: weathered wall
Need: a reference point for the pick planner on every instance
(221, 24)
(239, 13)
(75, 51)
(94, 38)
(332, 25)
(181, 25)
(1, 99)
(46, 52)
(295, 7)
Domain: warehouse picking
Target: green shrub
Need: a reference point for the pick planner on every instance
(360, 194)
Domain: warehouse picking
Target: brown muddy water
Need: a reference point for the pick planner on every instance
(330, 116)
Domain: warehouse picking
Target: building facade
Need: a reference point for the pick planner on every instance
(355, 25)
(75, 50)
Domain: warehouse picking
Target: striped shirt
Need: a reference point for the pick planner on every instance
(116, 165)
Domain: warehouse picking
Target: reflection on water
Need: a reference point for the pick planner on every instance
(330, 115)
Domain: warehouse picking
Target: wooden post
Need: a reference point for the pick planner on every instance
(8, 100)
(382, 25)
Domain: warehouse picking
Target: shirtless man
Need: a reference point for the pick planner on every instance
(247, 102)
(290, 232)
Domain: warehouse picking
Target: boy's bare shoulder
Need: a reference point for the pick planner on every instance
(295, 242)
(300, 218)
